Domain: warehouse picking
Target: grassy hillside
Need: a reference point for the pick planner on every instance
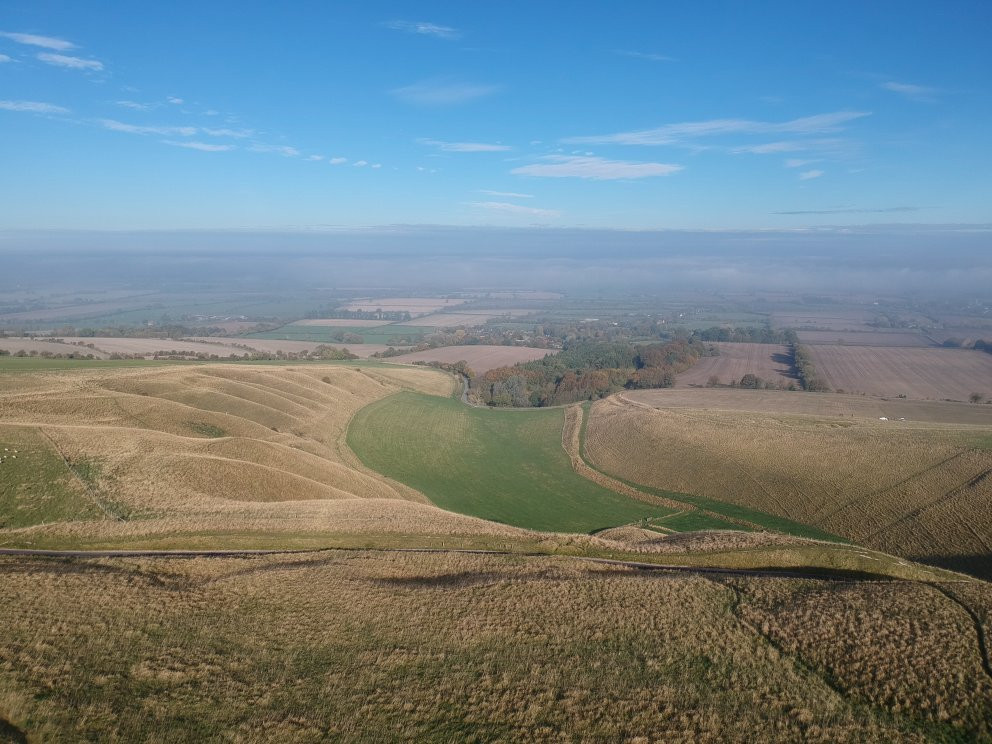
(382, 647)
(914, 488)
(506, 466)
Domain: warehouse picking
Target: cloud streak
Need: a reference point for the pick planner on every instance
(649, 56)
(918, 93)
(166, 131)
(675, 133)
(34, 107)
(594, 168)
(423, 28)
(72, 63)
(810, 175)
(442, 93)
(465, 146)
(46, 42)
(506, 194)
(202, 146)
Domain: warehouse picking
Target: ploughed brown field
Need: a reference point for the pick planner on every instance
(912, 488)
(935, 374)
(480, 358)
(771, 362)
(865, 338)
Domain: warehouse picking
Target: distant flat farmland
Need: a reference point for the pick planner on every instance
(865, 338)
(837, 320)
(341, 322)
(466, 318)
(916, 373)
(480, 358)
(412, 305)
(767, 361)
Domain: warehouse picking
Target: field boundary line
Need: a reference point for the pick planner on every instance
(90, 491)
(983, 648)
(823, 574)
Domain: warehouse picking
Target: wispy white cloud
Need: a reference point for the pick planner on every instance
(674, 133)
(165, 131)
(236, 133)
(338, 161)
(136, 106)
(919, 93)
(360, 163)
(506, 194)
(464, 146)
(34, 107)
(424, 29)
(4, 58)
(797, 162)
(376, 166)
(515, 209)
(442, 92)
(651, 57)
(203, 146)
(175, 101)
(810, 174)
(72, 63)
(770, 148)
(284, 150)
(47, 42)
(315, 158)
(594, 168)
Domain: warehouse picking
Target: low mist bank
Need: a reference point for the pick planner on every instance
(925, 259)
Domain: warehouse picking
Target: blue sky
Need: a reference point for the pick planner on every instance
(637, 115)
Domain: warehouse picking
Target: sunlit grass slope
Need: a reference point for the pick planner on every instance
(507, 466)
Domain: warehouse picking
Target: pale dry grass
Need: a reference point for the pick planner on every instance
(367, 646)
(905, 488)
(195, 448)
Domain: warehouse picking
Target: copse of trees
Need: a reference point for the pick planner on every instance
(586, 370)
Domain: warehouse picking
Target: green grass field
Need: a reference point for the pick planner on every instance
(36, 487)
(506, 466)
(395, 335)
(36, 364)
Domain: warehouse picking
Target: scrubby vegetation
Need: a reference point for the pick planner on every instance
(808, 376)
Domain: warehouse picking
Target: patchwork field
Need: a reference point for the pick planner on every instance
(506, 466)
(864, 338)
(341, 322)
(771, 362)
(910, 488)
(372, 646)
(392, 334)
(936, 374)
(480, 358)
